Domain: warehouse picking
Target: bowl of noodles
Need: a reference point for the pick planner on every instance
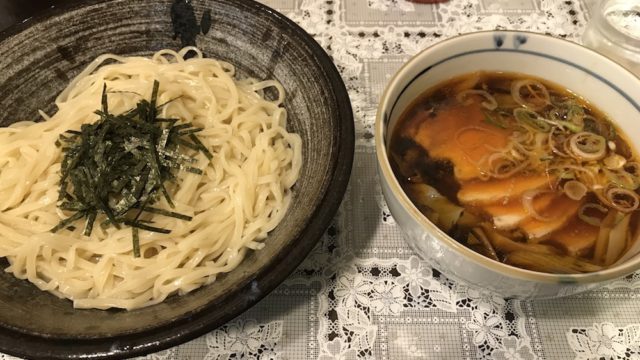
(161, 171)
(510, 161)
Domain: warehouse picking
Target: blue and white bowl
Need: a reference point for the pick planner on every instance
(602, 82)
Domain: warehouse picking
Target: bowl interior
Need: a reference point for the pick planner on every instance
(37, 61)
(603, 83)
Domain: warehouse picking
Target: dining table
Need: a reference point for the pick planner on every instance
(362, 293)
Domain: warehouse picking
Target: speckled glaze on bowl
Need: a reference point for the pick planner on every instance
(37, 59)
(607, 85)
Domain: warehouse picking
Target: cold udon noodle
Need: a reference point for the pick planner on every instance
(243, 193)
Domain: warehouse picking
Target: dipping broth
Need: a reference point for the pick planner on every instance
(522, 171)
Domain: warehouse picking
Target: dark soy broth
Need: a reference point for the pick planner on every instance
(522, 171)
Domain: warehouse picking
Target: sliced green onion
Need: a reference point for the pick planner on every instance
(633, 169)
(532, 119)
(592, 220)
(575, 190)
(621, 199)
(530, 93)
(588, 146)
(614, 162)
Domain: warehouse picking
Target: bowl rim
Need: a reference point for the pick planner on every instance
(384, 165)
(199, 322)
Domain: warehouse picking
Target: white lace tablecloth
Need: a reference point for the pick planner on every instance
(362, 293)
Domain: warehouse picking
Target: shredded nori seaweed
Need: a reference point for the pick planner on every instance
(118, 167)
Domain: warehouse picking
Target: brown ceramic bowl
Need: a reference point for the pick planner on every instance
(37, 59)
